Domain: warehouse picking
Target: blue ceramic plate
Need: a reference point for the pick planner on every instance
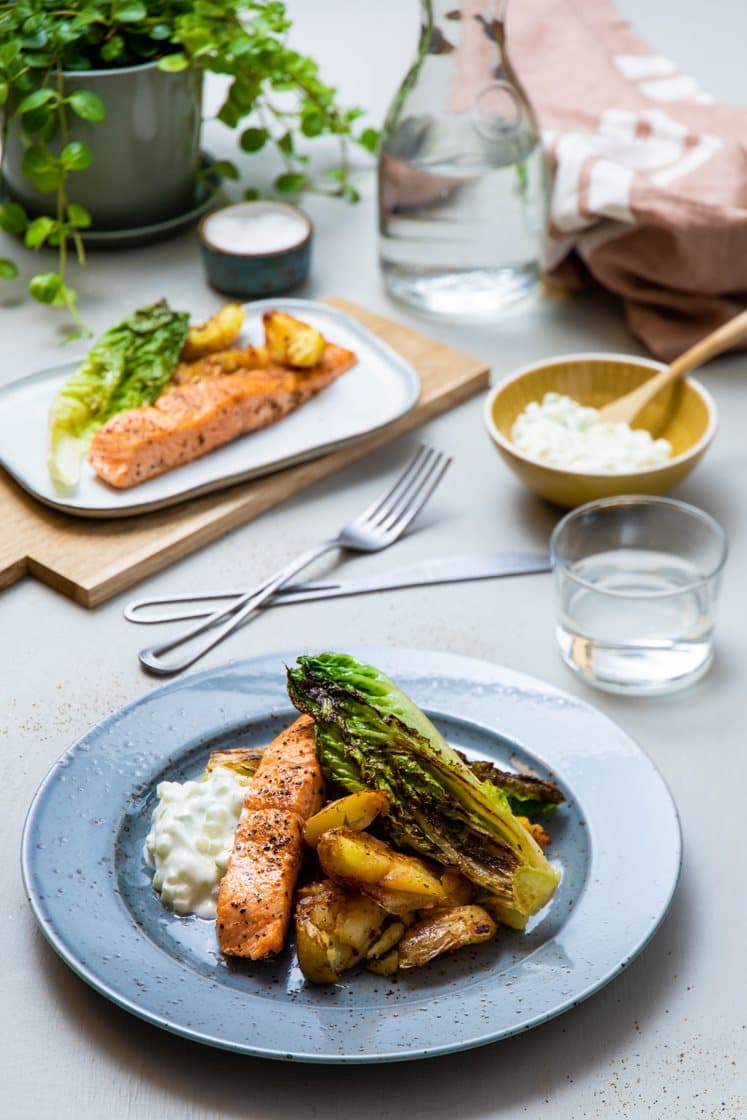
(90, 889)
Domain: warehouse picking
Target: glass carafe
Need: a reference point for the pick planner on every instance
(462, 179)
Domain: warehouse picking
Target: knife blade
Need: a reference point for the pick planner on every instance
(444, 569)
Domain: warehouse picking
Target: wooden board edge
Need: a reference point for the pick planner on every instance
(15, 571)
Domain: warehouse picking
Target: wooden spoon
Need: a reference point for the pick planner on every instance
(625, 409)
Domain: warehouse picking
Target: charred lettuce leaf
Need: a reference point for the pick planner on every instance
(527, 795)
(370, 735)
(128, 366)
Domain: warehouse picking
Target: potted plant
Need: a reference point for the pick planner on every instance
(101, 104)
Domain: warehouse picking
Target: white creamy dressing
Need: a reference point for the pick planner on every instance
(191, 837)
(563, 433)
(255, 227)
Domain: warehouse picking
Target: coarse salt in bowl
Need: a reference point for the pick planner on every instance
(256, 249)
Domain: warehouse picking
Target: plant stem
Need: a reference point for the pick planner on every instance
(62, 207)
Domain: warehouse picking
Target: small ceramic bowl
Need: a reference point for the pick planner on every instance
(684, 413)
(256, 249)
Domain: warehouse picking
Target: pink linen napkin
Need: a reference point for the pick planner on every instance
(649, 193)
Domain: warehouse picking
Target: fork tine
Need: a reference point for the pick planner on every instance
(409, 484)
(403, 514)
(412, 467)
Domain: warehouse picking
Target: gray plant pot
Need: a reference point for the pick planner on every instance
(146, 154)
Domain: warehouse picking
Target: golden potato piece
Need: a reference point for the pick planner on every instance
(216, 333)
(243, 760)
(457, 889)
(336, 929)
(384, 966)
(390, 935)
(237, 360)
(397, 882)
(318, 959)
(536, 831)
(290, 342)
(355, 811)
(444, 931)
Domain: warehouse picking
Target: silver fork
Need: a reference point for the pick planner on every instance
(380, 525)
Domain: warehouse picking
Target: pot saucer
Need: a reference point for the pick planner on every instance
(103, 240)
(206, 190)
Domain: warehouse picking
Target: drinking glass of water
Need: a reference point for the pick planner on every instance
(637, 582)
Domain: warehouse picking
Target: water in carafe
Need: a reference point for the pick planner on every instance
(462, 183)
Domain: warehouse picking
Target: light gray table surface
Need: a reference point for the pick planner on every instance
(668, 1038)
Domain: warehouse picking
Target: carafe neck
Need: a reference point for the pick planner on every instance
(441, 19)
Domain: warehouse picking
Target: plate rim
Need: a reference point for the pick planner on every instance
(412, 388)
(447, 662)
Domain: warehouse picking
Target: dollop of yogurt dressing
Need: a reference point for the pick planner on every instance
(563, 433)
(191, 837)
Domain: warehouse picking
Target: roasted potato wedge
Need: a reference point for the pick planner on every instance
(397, 882)
(216, 333)
(244, 760)
(319, 959)
(236, 360)
(387, 940)
(444, 931)
(355, 811)
(337, 928)
(290, 342)
(457, 889)
(536, 831)
(384, 966)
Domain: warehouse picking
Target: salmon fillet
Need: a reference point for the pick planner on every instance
(256, 893)
(188, 421)
(289, 776)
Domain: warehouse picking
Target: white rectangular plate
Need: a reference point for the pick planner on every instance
(375, 392)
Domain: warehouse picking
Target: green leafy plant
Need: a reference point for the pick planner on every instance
(275, 96)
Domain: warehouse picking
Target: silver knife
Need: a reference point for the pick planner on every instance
(444, 569)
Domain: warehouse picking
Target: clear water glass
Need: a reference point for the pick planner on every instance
(636, 584)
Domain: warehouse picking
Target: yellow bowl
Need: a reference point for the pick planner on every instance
(684, 413)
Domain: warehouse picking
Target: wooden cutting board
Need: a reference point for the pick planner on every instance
(92, 560)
